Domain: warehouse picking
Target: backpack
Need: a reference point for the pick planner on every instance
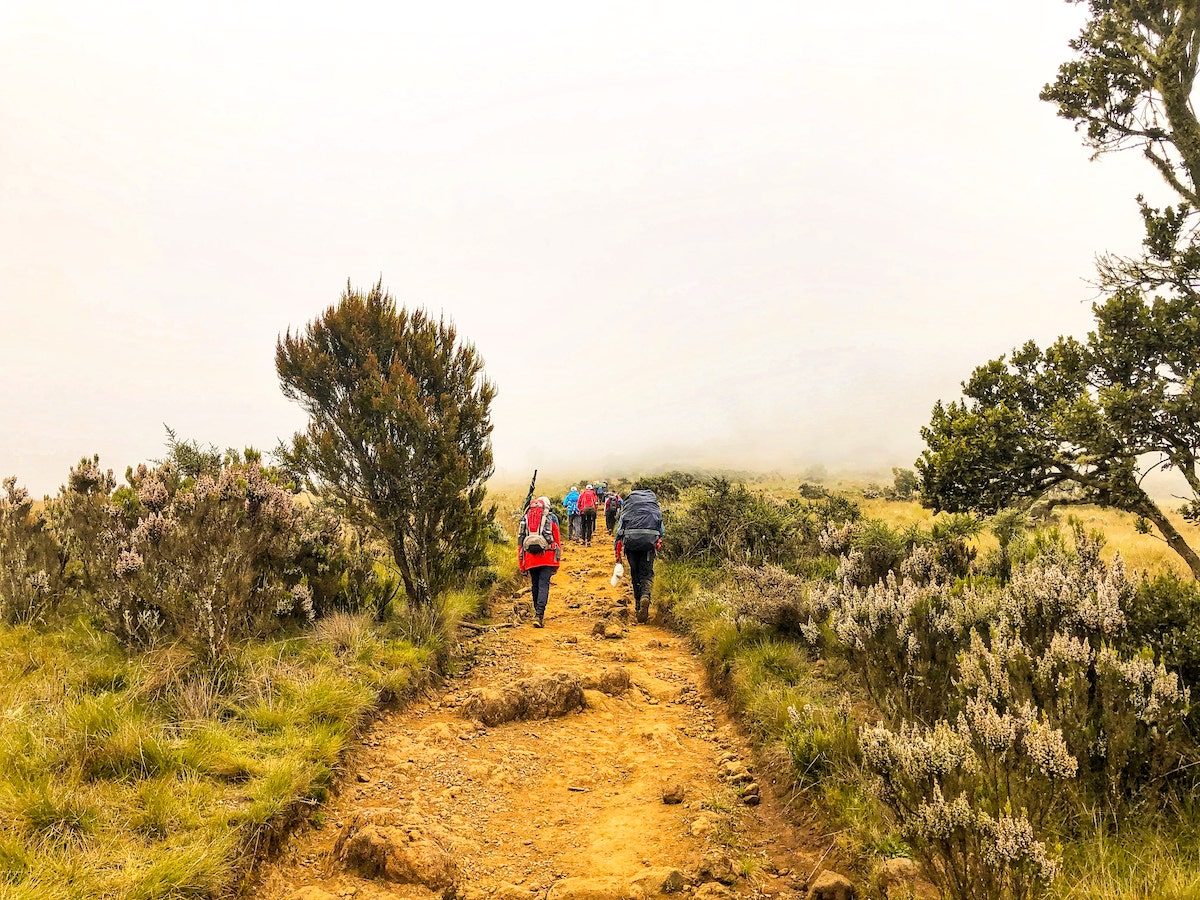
(542, 539)
(641, 520)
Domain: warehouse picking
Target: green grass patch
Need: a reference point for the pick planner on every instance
(152, 776)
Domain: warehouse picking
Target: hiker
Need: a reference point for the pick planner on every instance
(539, 551)
(612, 508)
(586, 505)
(640, 533)
(571, 502)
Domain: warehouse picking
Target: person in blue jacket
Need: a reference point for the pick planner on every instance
(574, 520)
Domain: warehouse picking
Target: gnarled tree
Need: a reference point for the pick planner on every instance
(399, 432)
(1097, 416)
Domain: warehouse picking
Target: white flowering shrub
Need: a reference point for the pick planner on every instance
(1043, 710)
(207, 558)
(1059, 643)
(903, 638)
(29, 561)
(201, 560)
(971, 798)
(772, 597)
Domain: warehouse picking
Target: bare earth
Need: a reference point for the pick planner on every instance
(523, 806)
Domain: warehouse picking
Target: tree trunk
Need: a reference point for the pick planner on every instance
(1174, 539)
(406, 574)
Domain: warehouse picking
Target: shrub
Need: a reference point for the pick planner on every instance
(880, 550)
(903, 639)
(29, 563)
(1164, 615)
(969, 798)
(665, 487)
(906, 484)
(728, 522)
(771, 597)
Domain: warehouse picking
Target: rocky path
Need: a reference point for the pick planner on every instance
(584, 761)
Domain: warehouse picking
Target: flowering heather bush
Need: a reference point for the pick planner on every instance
(206, 559)
(1060, 643)
(1007, 714)
(203, 561)
(81, 516)
(29, 564)
(775, 598)
(971, 798)
(903, 638)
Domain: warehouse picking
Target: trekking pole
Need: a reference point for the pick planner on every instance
(529, 496)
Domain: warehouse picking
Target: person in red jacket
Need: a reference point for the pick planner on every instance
(587, 504)
(539, 551)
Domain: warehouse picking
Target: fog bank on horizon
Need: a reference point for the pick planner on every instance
(761, 464)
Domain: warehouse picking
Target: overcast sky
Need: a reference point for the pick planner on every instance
(763, 234)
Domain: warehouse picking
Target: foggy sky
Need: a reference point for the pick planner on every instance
(758, 234)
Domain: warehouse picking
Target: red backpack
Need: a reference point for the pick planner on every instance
(540, 533)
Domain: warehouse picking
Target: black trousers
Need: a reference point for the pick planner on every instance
(539, 576)
(589, 525)
(610, 519)
(641, 572)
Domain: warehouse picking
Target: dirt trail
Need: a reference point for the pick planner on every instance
(520, 807)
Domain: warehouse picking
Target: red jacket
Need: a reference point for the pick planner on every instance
(532, 522)
(588, 500)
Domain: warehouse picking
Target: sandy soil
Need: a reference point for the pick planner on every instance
(529, 803)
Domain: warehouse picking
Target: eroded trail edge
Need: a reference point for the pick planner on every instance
(585, 759)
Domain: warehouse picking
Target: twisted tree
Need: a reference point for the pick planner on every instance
(399, 432)
(1092, 418)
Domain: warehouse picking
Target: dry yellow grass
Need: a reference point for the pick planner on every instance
(1147, 553)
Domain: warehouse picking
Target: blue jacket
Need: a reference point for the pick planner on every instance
(571, 502)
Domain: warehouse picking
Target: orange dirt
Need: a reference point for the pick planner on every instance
(529, 803)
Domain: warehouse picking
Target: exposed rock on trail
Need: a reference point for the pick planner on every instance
(539, 697)
(564, 765)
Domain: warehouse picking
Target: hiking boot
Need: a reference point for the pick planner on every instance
(537, 623)
(643, 612)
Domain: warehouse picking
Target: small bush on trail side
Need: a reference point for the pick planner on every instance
(772, 597)
(207, 558)
(29, 558)
(728, 522)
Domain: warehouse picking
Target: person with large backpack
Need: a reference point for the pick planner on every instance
(612, 508)
(586, 504)
(539, 551)
(640, 533)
